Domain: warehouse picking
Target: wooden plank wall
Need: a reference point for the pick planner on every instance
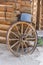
(11, 14)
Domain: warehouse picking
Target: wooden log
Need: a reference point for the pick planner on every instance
(3, 33)
(7, 3)
(2, 39)
(10, 15)
(10, 9)
(25, 9)
(5, 22)
(34, 12)
(41, 16)
(2, 8)
(8, 21)
(2, 14)
(4, 27)
(18, 5)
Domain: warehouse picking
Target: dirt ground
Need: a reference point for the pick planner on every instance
(7, 58)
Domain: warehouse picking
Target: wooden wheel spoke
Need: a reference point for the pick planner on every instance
(14, 34)
(30, 39)
(21, 28)
(13, 39)
(18, 47)
(18, 30)
(14, 44)
(22, 49)
(29, 44)
(26, 30)
(30, 31)
(25, 44)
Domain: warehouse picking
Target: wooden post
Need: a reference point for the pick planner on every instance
(35, 4)
(41, 16)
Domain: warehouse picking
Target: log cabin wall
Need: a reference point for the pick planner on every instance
(5, 24)
(10, 15)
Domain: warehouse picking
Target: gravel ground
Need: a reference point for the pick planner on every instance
(7, 58)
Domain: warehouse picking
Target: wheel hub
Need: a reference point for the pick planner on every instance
(22, 38)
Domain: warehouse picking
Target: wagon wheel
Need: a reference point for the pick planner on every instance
(21, 38)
